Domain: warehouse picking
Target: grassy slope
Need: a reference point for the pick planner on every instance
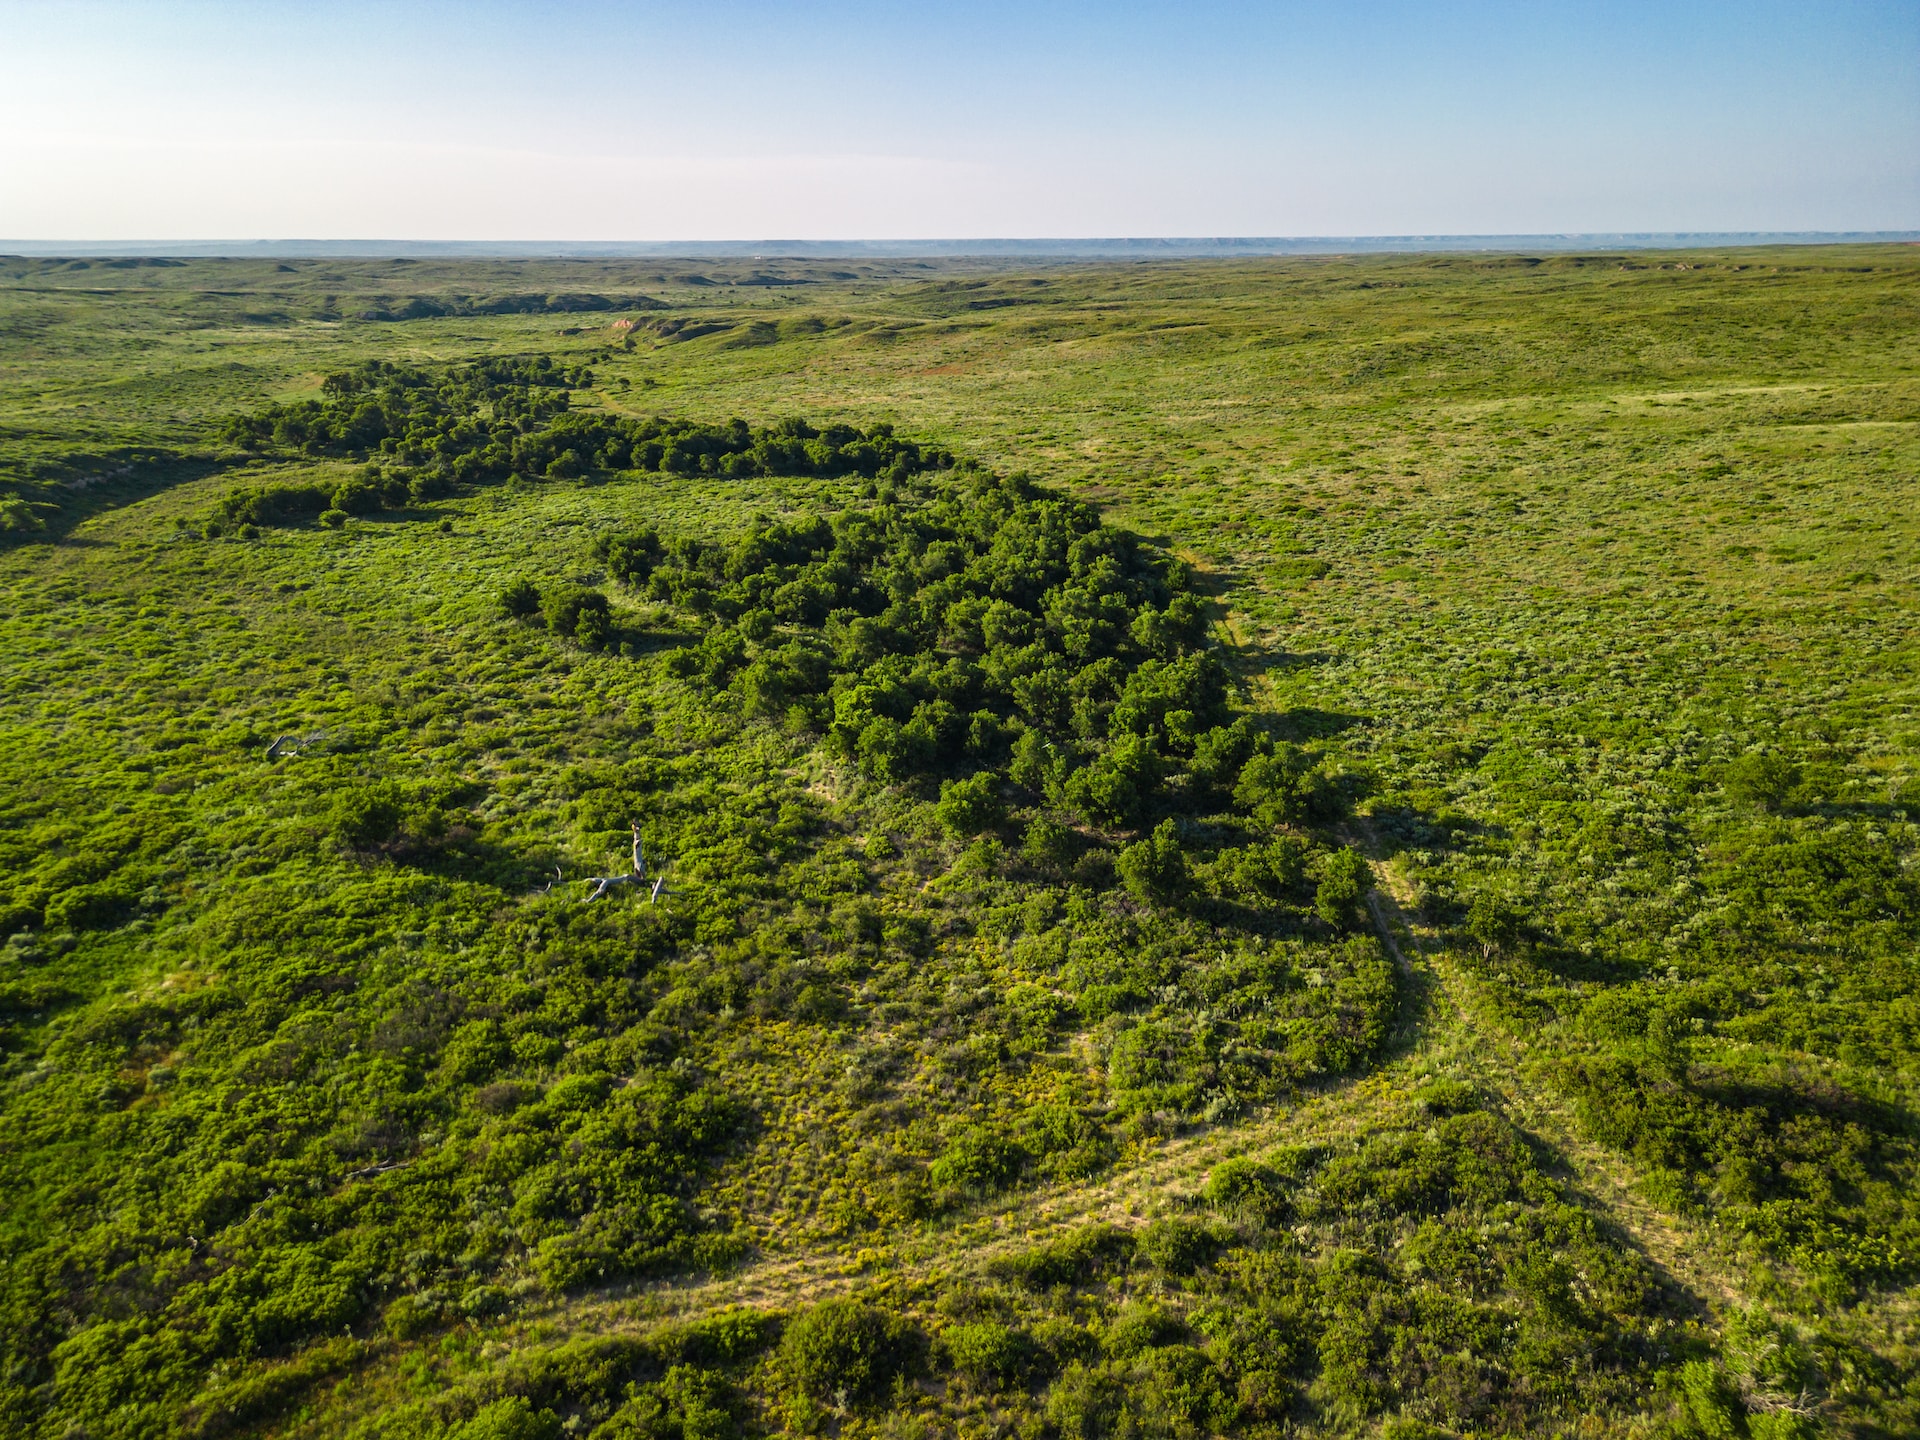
(1534, 537)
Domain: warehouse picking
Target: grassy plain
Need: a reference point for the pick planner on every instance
(1596, 573)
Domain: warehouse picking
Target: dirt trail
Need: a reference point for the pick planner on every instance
(1436, 1020)
(1437, 1029)
(1689, 1257)
(1007, 1225)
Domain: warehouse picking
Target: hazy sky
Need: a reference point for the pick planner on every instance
(733, 119)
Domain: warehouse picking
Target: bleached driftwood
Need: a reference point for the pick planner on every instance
(603, 883)
(287, 744)
(367, 1172)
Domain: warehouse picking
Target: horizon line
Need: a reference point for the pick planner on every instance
(948, 248)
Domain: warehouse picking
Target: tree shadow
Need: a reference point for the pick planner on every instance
(1267, 662)
(1407, 827)
(1802, 1095)
(463, 854)
(1546, 953)
(103, 483)
(1305, 722)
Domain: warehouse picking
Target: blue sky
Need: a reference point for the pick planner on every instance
(513, 120)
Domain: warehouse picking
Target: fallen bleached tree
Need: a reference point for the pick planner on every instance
(603, 883)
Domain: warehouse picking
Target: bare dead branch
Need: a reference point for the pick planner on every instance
(289, 744)
(603, 883)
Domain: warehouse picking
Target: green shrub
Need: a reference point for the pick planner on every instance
(1712, 1403)
(273, 504)
(1247, 1190)
(1262, 874)
(410, 1317)
(1073, 1258)
(483, 1302)
(986, 1352)
(1085, 1403)
(17, 517)
(1764, 780)
(971, 805)
(513, 1418)
(1139, 1327)
(367, 816)
(729, 1336)
(1179, 1247)
(978, 1159)
(1155, 869)
(1283, 787)
(846, 1351)
(1342, 891)
(567, 608)
(520, 599)
(1048, 844)
(358, 497)
(687, 1403)
(1447, 1097)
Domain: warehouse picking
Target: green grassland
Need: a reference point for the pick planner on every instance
(1017, 1045)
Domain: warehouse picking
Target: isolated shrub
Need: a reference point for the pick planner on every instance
(1342, 889)
(484, 1301)
(430, 485)
(845, 1348)
(1072, 1259)
(1085, 1403)
(728, 1336)
(520, 599)
(513, 1418)
(687, 1403)
(630, 557)
(978, 1159)
(1247, 1190)
(1282, 787)
(1048, 844)
(333, 519)
(1492, 922)
(1138, 1327)
(1155, 869)
(1177, 1391)
(1767, 781)
(1219, 754)
(17, 517)
(594, 627)
(273, 504)
(1177, 1246)
(564, 605)
(357, 497)
(366, 816)
(971, 805)
(1262, 873)
(1112, 790)
(1712, 1402)
(410, 1317)
(986, 1352)
(1447, 1097)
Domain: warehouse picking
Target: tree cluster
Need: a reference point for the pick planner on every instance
(986, 630)
(494, 419)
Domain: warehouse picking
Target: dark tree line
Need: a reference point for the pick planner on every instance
(495, 419)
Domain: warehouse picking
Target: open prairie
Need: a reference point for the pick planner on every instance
(1309, 847)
